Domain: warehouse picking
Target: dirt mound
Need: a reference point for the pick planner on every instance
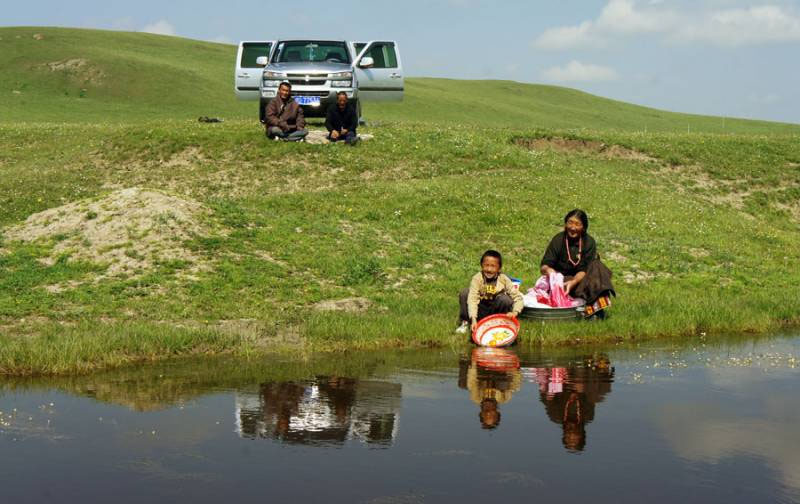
(78, 69)
(592, 147)
(131, 230)
(352, 305)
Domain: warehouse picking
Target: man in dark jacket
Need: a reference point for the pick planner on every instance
(342, 120)
(285, 119)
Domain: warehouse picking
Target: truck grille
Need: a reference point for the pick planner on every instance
(314, 80)
(303, 82)
(321, 94)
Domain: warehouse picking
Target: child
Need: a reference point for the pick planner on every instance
(489, 292)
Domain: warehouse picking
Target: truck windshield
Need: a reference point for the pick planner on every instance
(305, 51)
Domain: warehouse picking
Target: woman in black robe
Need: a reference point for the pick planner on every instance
(573, 253)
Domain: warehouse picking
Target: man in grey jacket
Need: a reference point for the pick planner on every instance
(285, 119)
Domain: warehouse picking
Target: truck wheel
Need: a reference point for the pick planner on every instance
(261, 111)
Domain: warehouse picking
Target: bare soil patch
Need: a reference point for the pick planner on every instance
(590, 147)
(642, 276)
(130, 230)
(699, 253)
(352, 305)
(615, 256)
(192, 172)
(61, 287)
(78, 69)
(727, 192)
(321, 137)
(259, 333)
(792, 209)
(185, 158)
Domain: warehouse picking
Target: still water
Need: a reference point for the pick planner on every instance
(702, 420)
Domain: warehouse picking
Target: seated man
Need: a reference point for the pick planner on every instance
(342, 120)
(285, 119)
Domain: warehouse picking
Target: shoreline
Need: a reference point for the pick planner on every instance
(134, 346)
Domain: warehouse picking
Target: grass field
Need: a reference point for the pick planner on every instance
(700, 228)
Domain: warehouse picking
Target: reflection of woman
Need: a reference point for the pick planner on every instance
(573, 253)
(573, 407)
(573, 412)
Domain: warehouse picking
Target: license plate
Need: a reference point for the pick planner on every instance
(307, 100)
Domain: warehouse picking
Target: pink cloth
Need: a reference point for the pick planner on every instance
(542, 290)
(558, 298)
(550, 380)
(550, 291)
(557, 378)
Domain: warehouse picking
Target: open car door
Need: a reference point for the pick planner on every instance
(382, 80)
(248, 73)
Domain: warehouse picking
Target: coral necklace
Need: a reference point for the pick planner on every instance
(580, 249)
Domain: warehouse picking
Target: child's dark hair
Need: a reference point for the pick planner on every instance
(581, 215)
(492, 253)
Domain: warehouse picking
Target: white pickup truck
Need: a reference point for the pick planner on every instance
(318, 70)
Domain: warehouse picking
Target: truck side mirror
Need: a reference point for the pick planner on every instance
(366, 62)
(261, 61)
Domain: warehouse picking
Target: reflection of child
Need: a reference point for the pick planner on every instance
(489, 415)
(489, 292)
(490, 388)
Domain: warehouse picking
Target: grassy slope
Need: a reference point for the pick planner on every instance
(151, 76)
(143, 77)
(512, 104)
(709, 229)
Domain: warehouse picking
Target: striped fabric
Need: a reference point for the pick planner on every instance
(601, 303)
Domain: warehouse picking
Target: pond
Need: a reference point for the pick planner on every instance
(700, 420)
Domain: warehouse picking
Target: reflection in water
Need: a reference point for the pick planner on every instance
(324, 410)
(492, 376)
(707, 423)
(570, 393)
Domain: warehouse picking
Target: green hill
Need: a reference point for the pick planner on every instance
(513, 104)
(78, 75)
(129, 231)
(94, 75)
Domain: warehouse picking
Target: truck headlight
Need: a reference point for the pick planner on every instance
(274, 75)
(341, 79)
(272, 83)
